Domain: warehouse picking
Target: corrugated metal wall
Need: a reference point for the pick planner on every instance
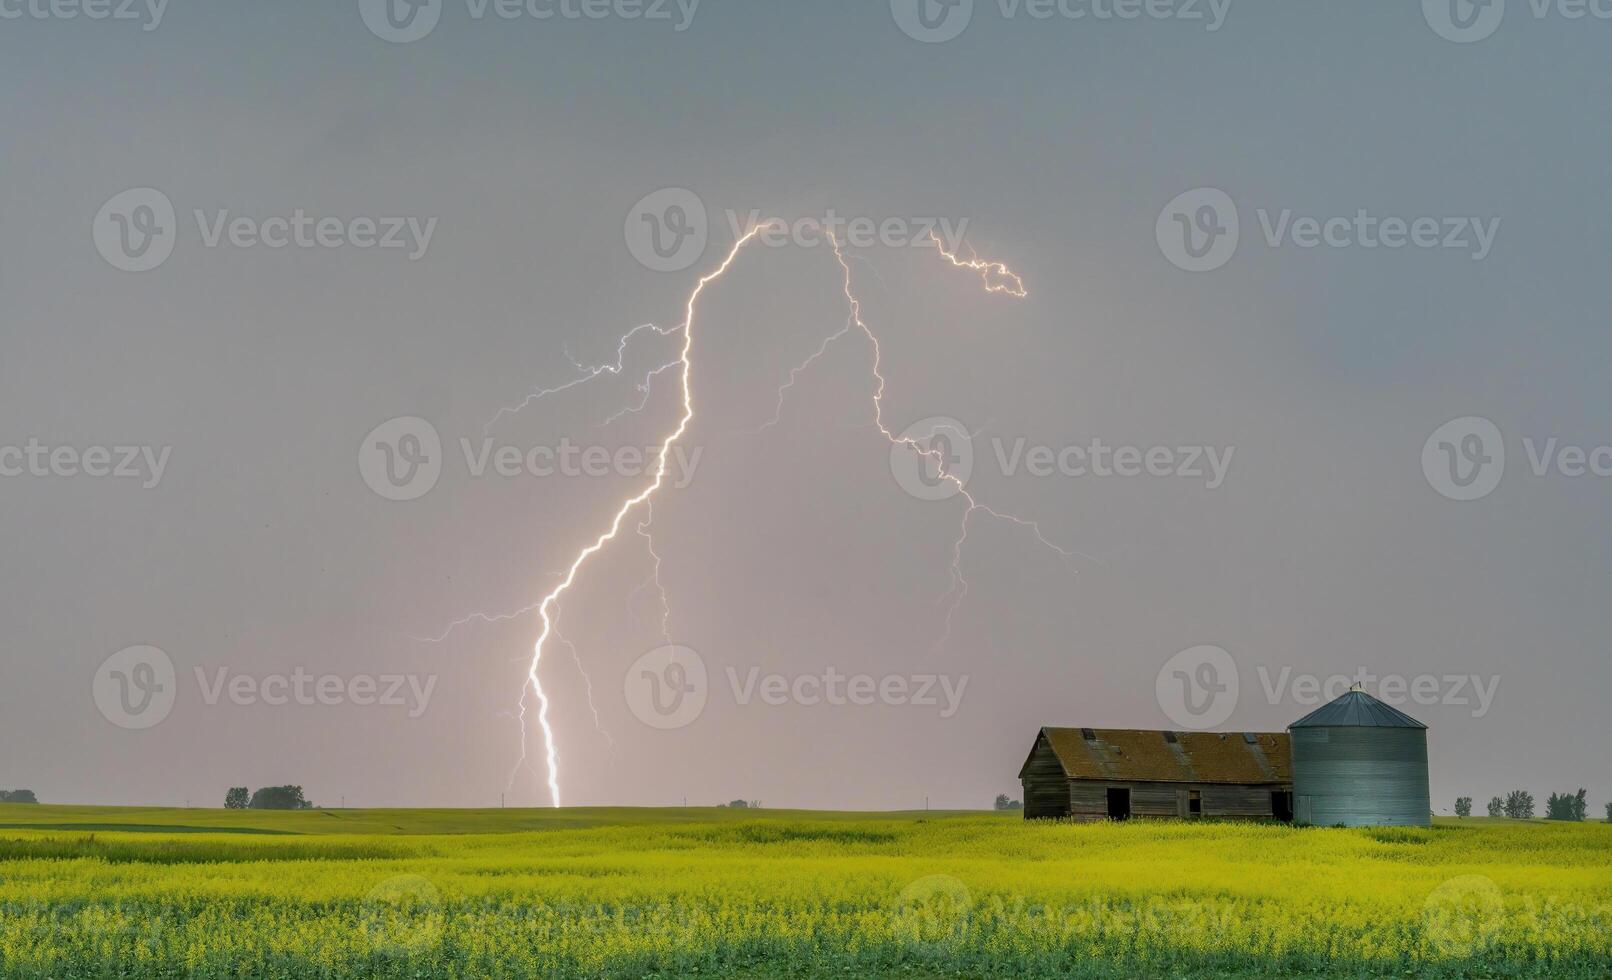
(1361, 777)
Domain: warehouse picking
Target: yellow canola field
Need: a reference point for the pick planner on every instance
(677, 893)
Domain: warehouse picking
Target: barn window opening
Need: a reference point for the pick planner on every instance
(1088, 734)
(1194, 804)
(1119, 803)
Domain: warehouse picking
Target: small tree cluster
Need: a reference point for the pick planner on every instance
(1463, 806)
(1497, 807)
(1562, 806)
(1003, 803)
(1520, 805)
(267, 798)
(18, 796)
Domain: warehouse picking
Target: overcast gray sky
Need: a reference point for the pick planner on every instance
(1320, 359)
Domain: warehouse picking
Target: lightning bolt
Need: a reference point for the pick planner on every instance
(493, 619)
(1009, 282)
(545, 609)
(996, 278)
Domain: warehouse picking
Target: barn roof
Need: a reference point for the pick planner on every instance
(1128, 755)
(1357, 709)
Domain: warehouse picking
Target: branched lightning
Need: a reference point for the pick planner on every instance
(545, 608)
(588, 682)
(959, 591)
(1011, 285)
(592, 373)
(644, 389)
(654, 575)
(477, 617)
(795, 373)
(1010, 282)
(492, 619)
(996, 278)
(987, 269)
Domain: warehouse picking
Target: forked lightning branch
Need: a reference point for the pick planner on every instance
(995, 278)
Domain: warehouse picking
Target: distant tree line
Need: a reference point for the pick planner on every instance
(267, 798)
(1519, 805)
(18, 796)
(1003, 803)
(740, 805)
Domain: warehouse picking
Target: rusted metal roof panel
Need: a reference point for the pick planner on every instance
(1129, 755)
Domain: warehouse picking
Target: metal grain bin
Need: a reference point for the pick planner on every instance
(1359, 763)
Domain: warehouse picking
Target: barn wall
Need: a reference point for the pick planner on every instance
(1046, 788)
(1088, 799)
(1253, 802)
(1157, 800)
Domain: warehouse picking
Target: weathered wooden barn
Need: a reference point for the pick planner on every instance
(1106, 773)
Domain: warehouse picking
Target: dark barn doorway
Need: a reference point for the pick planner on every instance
(1282, 805)
(1119, 804)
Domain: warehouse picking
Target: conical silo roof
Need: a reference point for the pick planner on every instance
(1357, 709)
